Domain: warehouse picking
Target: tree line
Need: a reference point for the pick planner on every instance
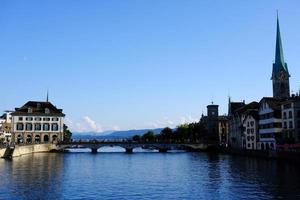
(192, 132)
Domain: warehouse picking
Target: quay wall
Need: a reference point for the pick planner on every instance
(286, 156)
(35, 148)
(2, 151)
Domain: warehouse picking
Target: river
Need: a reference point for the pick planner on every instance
(146, 175)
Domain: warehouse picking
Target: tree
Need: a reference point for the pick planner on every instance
(148, 136)
(136, 138)
(67, 134)
(166, 134)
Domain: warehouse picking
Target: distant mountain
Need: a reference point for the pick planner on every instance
(113, 134)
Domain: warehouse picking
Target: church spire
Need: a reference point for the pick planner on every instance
(279, 64)
(279, 59)
(47, 97)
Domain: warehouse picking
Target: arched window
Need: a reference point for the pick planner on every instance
(28, 139)
(46, 138)
(37, 138)
(54, 138)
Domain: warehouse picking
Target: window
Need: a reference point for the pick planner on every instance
(54, 127)
(46, 127)
(290, 124)
(252, 123)
(252, 130)
(29, 110)
(248, 145)
(46, 118)
(290, 114)
(37, 127)
(20, 126)
(47, 111)
(285, 125)
(28, 127)
(20, 118)
(284, 115)
(248, 131)
(29, 118)
(55, 119)
(248, 124)
(38, 119)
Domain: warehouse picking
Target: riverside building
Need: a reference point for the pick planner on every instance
(37, 122)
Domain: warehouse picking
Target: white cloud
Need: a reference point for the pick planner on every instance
(87, 124)
(92, 125)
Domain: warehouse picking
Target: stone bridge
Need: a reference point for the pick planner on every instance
(94, 145)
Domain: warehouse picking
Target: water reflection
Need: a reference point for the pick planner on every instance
(34, 176)
(146, 176)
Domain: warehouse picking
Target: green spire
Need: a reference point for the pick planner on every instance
(279, 59)
(279, 64)
(47, 98)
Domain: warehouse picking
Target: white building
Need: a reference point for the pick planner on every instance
(5, 127)
(250, 124)
(37, 122)
(270, 122)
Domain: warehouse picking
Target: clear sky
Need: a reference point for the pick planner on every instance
(122, 64)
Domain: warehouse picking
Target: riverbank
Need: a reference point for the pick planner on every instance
(287, 156)
(20, 150)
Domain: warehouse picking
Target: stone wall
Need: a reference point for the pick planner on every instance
(2, 151)
(36, 148)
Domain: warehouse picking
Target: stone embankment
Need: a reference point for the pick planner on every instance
(19, 150)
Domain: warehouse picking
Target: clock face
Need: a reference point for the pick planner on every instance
(281, 75)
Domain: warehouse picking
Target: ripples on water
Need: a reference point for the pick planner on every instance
(146, 175)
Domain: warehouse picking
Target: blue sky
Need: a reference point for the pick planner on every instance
(142, 64)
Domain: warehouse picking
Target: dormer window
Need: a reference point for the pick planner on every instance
(47, 111)
(29, 110)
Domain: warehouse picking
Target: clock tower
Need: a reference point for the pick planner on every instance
(280, 74)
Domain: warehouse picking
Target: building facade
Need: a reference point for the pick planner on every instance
(250, 128)
(290, 111)
(37, 122)
(270, 123)
(5, 127)
(235, 124)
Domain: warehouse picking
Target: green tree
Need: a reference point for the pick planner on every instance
(166, 134)
(67, 134)
(149, 136)
(136, 138)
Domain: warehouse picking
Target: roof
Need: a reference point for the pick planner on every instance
(38, 108)
(250, 106)
(274, 103)
(253, 113)
(233, 106)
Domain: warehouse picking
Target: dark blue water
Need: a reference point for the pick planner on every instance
(146, 176)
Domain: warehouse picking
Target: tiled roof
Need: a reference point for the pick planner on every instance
(38, 108)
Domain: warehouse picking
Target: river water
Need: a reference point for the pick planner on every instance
(146, 175)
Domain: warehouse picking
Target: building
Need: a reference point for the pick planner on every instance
(250, 127)
(270, 122)
(216, 125)
(5, 127)
(37, 122)
(235, 124)
(290, 112)
(280, 74)
(223, 130)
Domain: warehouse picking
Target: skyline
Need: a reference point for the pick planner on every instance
(147, 67)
